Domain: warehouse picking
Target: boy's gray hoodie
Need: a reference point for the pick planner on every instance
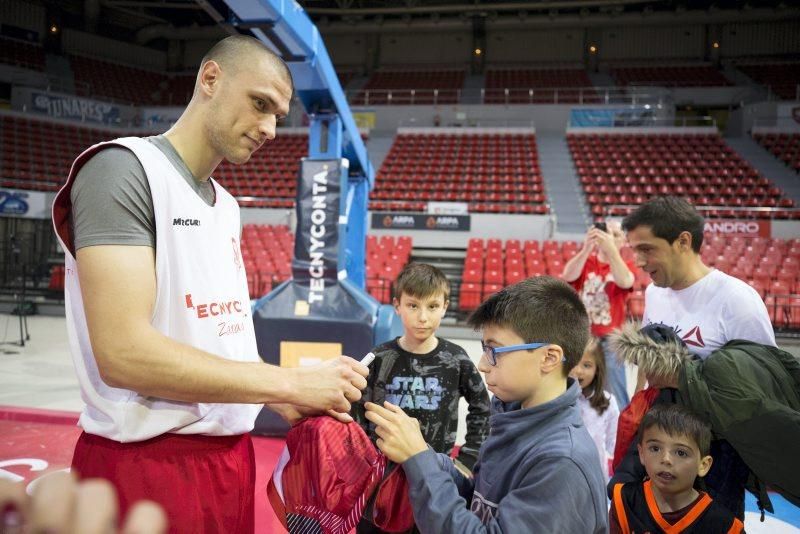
(537, 471)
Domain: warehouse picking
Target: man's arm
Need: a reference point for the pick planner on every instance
(118, 286)
(620, 271)
(473, 390)
(574, 267)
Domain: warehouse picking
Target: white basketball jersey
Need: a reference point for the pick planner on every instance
(201, 300)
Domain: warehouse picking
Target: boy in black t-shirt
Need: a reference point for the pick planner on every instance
(426, 375)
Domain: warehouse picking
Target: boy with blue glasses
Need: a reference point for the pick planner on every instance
(538, 470)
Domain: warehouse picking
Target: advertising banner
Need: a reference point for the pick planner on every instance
(25, 204)
(73, 107)
(316, 247)
(744, 228)
(606, 118)
(418, 221)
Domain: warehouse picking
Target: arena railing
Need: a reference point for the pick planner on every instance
(510, 96)
(635, 119)
(775, 124)
(616, 210)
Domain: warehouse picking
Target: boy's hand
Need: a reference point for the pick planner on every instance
(399, 437)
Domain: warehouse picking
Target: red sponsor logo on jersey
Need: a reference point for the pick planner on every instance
(214, 309)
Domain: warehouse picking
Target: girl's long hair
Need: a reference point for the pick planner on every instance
(598, 400)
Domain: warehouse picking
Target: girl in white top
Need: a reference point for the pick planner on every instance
(598, 408)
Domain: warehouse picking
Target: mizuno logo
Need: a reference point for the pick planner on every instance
(185, 222)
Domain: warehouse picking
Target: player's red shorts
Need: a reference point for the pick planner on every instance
(204, 483)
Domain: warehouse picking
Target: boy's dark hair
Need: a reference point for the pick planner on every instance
(421, 280)
(541, 308)
(677, 420)
(667, 218)
(598, 400)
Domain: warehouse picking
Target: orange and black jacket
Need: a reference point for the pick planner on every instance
(634, 511)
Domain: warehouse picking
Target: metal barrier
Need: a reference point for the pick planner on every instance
(510, 96)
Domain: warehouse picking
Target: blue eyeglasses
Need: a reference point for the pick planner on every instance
(492, 352)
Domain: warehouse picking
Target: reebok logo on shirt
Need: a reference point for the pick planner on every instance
(185, 222)
(694, 338)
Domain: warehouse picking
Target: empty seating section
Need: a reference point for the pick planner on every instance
(770, 266)
(411, 87)
(784, 146)
(493, 264)
(346, 76)
(676, 76)
(628, 169)
(782, 78)
(38, 154)
(180, 90)
(529, 86)
(104, 80)
(21, 54)
(267, 255)
(270, 176)
(493, 172)
(386, 257)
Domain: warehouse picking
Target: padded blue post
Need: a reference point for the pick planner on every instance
(285, 27)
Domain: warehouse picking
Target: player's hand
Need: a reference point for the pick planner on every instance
(399, 436)
(60, 504)
(332, 385)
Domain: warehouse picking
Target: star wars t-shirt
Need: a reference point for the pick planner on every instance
(428, 387)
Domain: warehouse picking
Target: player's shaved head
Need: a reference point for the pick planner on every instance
(237, 52)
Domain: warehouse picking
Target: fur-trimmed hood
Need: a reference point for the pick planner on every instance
(656, 349)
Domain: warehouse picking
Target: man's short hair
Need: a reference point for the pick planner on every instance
(232, 51)
(541, 308)
(677, 420)
(667, 218)
(421, 280)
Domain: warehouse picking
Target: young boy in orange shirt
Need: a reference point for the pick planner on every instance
(674, 448)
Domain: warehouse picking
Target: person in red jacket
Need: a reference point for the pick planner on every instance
(604, 279)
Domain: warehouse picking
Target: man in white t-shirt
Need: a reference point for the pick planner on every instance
(706, 307)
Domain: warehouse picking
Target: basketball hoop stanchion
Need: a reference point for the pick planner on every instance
(324, 310)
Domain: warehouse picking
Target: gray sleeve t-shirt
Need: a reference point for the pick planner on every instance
(111, 199)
